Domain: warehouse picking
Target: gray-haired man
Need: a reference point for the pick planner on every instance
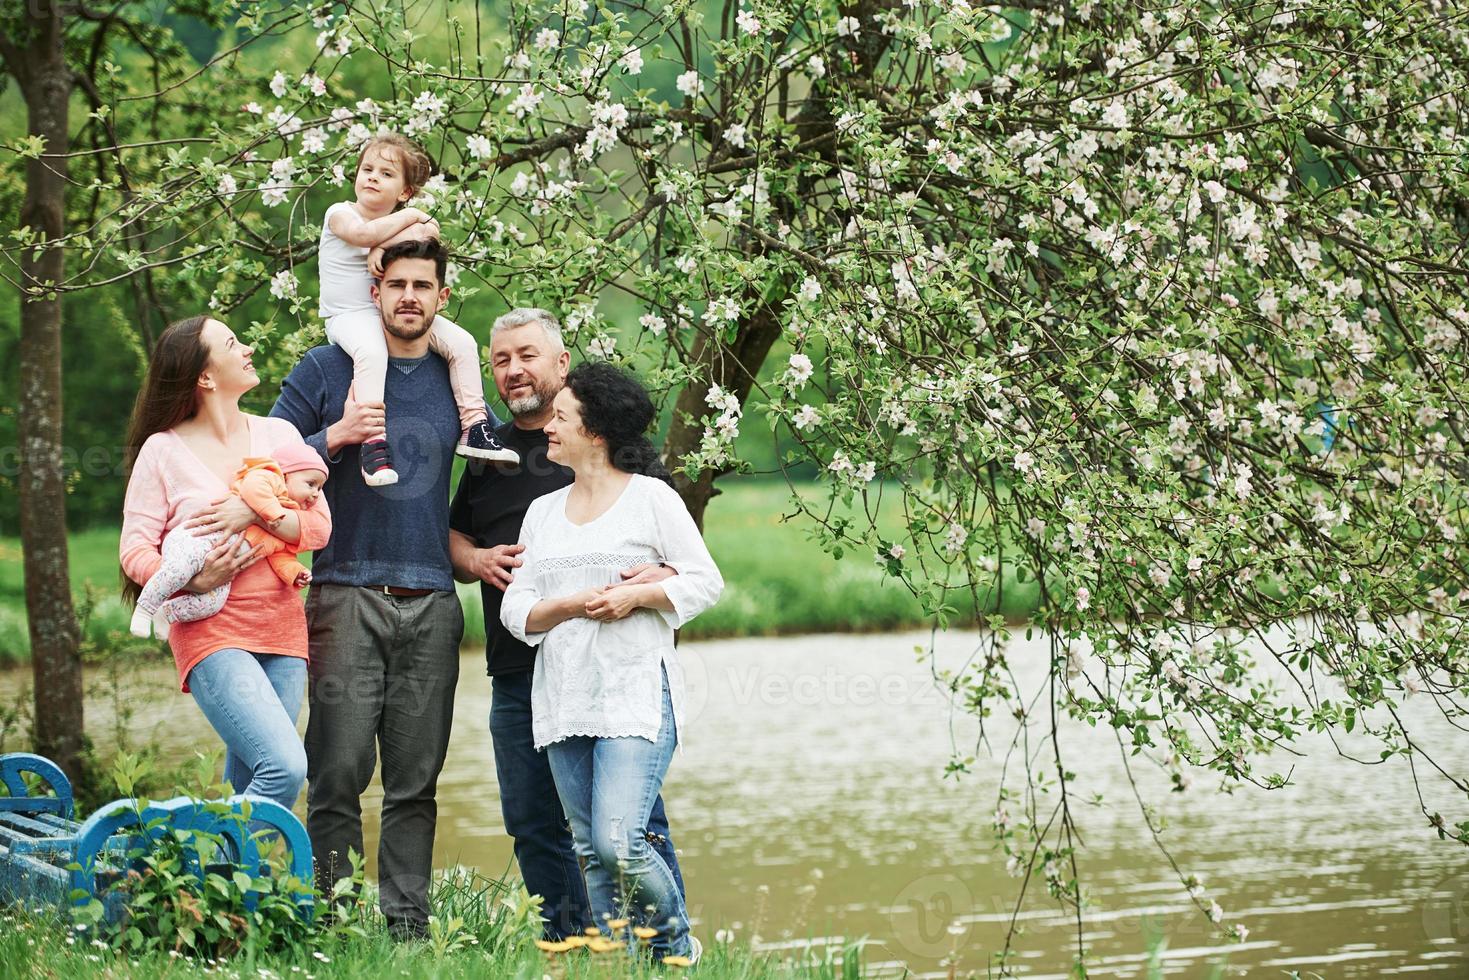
(529, 363)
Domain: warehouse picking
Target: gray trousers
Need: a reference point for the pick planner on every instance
(383, 670)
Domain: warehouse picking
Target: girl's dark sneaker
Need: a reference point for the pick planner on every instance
(377, 464)
(479, 442)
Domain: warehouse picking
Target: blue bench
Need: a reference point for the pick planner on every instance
(50, 861)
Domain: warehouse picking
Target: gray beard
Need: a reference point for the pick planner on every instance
(535, 402)
(529, 405)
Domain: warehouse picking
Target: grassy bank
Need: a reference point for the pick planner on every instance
(777, 580)
(478, 931)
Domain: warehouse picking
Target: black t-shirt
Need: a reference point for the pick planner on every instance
(490, 506)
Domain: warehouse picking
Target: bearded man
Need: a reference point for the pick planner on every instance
(384, 621)
(529, 363)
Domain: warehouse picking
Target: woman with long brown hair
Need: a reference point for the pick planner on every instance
(245, 665)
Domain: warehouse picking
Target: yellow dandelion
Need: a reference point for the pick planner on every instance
(683, 961)
(576, 942)
(550, 947)
(618, 923)
(592, 931)
(644, 932)
(603, 946)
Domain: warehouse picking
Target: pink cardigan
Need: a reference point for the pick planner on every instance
(168, 486)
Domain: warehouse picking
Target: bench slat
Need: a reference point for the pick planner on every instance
(26, 826)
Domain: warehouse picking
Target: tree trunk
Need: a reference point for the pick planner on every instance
(55, 656)
(731, 366)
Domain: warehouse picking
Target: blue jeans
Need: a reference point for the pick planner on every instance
(544, 847)
(252, 700)
(607, 788)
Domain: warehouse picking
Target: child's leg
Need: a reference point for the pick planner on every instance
(457, 346)
(190, 607)
(183, 555)
(360, 334)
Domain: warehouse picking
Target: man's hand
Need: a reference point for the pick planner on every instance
(647, 573)
(616, 601)
(360, 422)
(227, 515)
(496, 565)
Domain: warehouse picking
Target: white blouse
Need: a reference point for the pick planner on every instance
(597, 678)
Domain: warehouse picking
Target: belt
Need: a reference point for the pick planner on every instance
(400, 592)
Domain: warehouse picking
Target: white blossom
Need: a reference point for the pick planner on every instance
(526, 101)
(800, 370)
(688, 83)
(284, 284)
(723, 308)
(805, 418)
(273, 192)
(479, 146)
(602, 346)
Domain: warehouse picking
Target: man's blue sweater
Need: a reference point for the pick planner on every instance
(397, 535)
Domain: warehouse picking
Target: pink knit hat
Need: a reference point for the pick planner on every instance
(298, 456)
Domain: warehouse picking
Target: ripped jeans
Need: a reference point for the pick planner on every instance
(607, 788)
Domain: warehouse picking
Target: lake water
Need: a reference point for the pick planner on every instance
(809, 804)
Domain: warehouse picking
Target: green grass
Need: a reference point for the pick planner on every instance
(777, 579)
(474, 937)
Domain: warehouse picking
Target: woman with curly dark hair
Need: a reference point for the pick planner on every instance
(607, 695)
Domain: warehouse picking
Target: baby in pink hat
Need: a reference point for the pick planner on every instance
(291, 478)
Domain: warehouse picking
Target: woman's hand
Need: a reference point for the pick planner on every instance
(576, 603)
(223, 562)
(227, 515)
(551, 613)
(615, 601)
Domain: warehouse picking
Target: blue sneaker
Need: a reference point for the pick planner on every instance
(377, 464)
(479, 442)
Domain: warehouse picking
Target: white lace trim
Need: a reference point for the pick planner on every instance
(574, 732)
(600, 559)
